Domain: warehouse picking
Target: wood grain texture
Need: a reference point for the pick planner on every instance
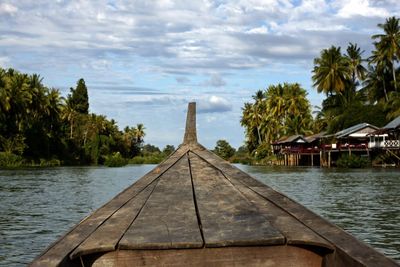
(190, 131)
(296, 233)
(348, 249)
(227, 218)
(168, 219)
(107, 236)
(58, 252)
(270, 256)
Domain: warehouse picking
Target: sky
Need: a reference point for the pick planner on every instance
(143, 61)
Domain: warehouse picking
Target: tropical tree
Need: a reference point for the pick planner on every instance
(387, 45)
(284, 111)
(354, 59)
(374, 82)
(36, 123)
(168, 149)
(256, 113)
(224, 149)
(70, 115)
(393, 105)
(331, 71)
(139, 133)
(79, 99)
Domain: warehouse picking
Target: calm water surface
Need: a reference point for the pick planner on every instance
(39, 205)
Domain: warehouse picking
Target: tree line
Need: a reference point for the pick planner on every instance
(39, 126)
(357, 89)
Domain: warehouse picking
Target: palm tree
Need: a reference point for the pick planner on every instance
(331, 71)
(139, 133)
(393, 105)
(20, 98)
(252, 133)
(374, 81)
(388, 44)
(256, 113)
(276, 101)
(70, 114)
(353, 56)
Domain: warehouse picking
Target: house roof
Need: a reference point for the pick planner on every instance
(393, 124)
(354, 129)
(314, 137)
(292, 139)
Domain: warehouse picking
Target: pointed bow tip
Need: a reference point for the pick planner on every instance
(190, 132)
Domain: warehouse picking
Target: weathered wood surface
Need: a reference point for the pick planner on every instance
(168, 219)
(190, 131)
(106, 237)
(267, 256)
(226, 216)
(197, 209)
(59, 251)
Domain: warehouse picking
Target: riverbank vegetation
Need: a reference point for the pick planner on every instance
(151, 154)
(358, 88)
(39, 127)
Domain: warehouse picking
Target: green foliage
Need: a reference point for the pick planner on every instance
(79, 99)
(331, 71)
(40, 125)
(50, 163)
(224, 149)
(168, 149)
(241, 156)
(281, 110)
(352, 161)
(14, 144)
(10, 160)
(151, 154)
(115, 160)
(149, 159)
(340, 76)
(150, 149)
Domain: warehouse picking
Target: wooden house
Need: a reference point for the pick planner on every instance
(388, 137)
(298, 150)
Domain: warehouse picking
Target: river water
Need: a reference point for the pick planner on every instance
(39, 205)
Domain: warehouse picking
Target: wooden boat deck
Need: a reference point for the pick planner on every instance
(196, 209)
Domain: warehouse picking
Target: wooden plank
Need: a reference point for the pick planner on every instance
(348, 248)
(190, 131)
(294, 231)
(226, 167)
(227, 218)
(58, 252)
(168, 219)
(268, 256)
(106, 237)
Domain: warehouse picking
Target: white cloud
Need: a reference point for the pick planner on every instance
(213, 104)
(353, 8)
(198, 36)
(6, 8)
(258, 30)
(215, 81)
